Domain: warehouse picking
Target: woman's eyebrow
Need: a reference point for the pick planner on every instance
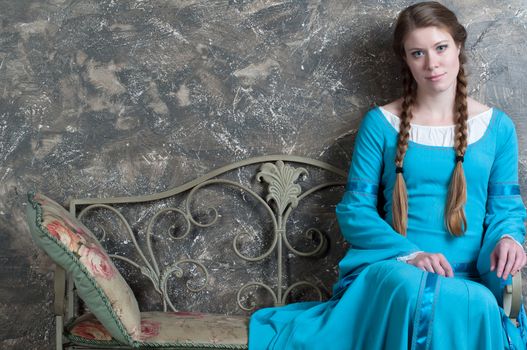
(439, 42)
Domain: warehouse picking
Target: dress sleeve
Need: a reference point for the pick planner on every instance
(357, 214)
(505, 212)
(505, 215)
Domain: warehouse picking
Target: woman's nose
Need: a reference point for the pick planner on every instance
(432, 61)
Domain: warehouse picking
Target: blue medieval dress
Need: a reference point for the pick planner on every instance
(382, 302)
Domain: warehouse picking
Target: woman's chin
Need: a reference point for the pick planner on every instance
(437, 87)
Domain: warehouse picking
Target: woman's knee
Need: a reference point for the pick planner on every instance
(478, 293)
(400, 279)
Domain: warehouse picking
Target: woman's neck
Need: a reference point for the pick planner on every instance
(434, 108)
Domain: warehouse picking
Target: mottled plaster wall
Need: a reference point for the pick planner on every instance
(105, 98)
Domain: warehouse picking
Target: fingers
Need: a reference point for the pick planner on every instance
(435, 263)
(511, 260)
(437, 268)
(493, 260)
(502, 260)
(441, 265)
(428, 267)
(519, 263)
(507, 258)
(424, 265)
(446, 267)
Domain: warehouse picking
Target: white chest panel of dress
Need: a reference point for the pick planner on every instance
(442, 135)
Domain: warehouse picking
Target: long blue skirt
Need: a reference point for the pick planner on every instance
(392, 305)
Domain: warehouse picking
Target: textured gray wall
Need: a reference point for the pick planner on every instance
(106, 97)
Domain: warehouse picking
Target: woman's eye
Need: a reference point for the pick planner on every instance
(417, 53)
(442, 47)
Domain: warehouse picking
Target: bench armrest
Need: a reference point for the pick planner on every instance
(512, 297)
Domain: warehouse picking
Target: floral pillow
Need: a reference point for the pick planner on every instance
(71, 245)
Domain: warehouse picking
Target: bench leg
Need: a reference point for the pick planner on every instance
(59, 326)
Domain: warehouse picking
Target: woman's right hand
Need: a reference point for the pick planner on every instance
(432, 262)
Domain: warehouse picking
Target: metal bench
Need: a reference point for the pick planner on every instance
(254, 233)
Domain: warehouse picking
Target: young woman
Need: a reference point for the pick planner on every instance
(426, 273)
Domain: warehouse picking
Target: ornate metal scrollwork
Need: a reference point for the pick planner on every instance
(298, 284)
(282, 187)
(235, 241)
(175, 268)
(253, 305)
(167, 210)
(281, 198)
(286, 194)
(150, 267)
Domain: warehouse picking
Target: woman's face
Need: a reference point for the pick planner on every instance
(433, 58)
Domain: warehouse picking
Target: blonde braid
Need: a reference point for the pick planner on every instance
(400, 194)
(455, 218)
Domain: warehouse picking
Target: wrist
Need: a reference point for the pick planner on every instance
(509, 237)
(408, 257)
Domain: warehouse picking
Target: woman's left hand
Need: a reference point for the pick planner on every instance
(508, 257)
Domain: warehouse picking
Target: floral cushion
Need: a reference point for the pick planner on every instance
(71, 245)
(169, 330)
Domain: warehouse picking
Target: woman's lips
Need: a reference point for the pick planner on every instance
(435, 77)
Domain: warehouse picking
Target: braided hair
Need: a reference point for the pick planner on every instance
(427, 14)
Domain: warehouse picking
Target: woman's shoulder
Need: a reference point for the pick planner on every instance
(500, 123)
(394, 107)
(503, 125)
(373, 122)
(503, 121)
(475, 107)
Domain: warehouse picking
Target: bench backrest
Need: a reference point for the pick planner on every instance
(254, 233)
